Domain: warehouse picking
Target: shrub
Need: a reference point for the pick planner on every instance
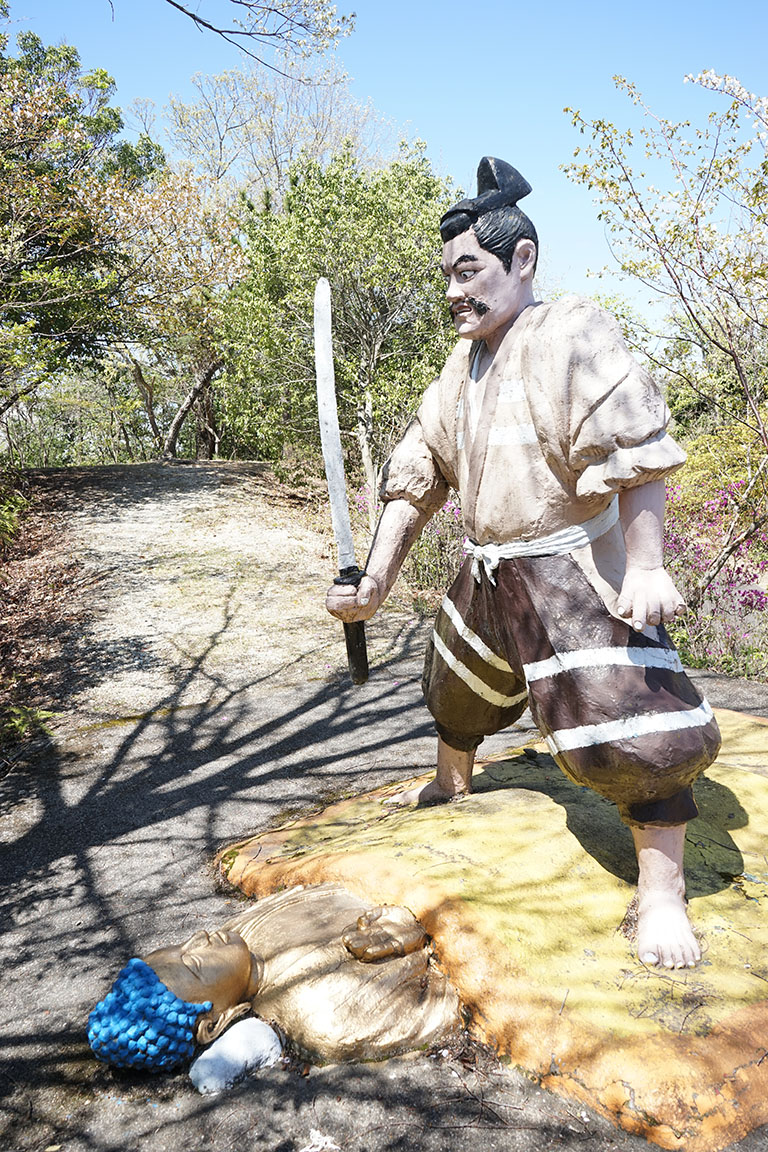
(436, 556)
(728, 631)
(12, 504)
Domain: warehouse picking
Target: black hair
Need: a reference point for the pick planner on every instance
(493, 214)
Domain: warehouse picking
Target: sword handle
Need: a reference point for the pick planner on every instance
(354, 634)
(357, 654)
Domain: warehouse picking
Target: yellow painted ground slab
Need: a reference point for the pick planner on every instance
(523, 887)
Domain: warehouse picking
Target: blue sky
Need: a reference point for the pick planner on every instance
(467, 79)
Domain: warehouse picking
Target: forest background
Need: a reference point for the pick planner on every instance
(157, 269)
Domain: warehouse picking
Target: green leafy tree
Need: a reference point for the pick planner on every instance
(92, 416)
(699, 239)
(373, 233)
(62, 263)
(182, 242)
(107, 258)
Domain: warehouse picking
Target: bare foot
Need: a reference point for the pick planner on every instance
(429, 793)
(452, 779)
(664, 933)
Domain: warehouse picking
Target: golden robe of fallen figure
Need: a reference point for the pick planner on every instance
(343, 979)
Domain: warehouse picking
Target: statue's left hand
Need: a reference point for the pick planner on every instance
(648, 596)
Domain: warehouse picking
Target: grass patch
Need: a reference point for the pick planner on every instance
(17, 721)
(12, 505)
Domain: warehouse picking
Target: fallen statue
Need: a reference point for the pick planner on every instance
(343, 979)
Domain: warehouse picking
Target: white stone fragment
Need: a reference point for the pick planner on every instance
(244, 1048)
(320, 1143)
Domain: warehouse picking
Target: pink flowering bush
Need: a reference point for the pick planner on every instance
(728, 630)
(362, 498)
(436, 556)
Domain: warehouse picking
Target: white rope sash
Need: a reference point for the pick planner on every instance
(556, 544)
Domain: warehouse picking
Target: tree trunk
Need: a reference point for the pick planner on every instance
(147, 395)
(208, 439)
(364, 438)
(171, 439)
(9, 442)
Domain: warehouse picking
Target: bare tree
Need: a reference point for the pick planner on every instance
(700, 241)
(302, 27)
(247, 127)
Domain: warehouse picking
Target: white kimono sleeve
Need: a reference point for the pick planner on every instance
(617, 418)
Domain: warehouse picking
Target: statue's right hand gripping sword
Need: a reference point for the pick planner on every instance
(349, 573)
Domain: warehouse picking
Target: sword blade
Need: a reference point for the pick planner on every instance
(354, 634)
(329, 425)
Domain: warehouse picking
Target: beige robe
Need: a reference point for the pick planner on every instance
(562, 419)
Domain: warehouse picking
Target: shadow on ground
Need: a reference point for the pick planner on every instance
(108, 830)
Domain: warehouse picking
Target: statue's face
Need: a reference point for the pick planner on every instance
(216, 967)
(484, 298)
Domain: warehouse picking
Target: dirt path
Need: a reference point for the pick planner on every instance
(189, 565)
(173, 619)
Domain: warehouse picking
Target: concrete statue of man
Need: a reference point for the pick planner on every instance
(555, 439)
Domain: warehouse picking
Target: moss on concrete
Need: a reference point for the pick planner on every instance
(524, 886)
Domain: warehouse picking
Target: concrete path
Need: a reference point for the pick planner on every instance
(174, 735)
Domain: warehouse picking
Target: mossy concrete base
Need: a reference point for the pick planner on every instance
(523, 887)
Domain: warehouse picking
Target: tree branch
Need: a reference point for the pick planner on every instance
(8, 402)
(277, 25)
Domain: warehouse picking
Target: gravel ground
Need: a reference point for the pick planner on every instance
(174, 617)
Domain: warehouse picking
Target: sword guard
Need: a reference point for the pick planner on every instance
(354, 634)
(351, 575)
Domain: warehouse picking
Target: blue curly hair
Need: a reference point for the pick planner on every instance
(141, 1024)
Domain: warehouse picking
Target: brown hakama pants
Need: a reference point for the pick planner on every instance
(614, 706)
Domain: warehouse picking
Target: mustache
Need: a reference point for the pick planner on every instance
(479, 306)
